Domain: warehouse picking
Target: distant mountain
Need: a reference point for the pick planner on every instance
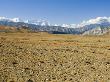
(35, 26)
(98, 26)
(36, 22)
(6, 28)
(10, 19)
(97, 31)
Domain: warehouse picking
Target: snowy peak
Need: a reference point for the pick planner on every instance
(36, 22)
(10, 19)
(97, 26)
(98, 20)
(69, 25)
(16, 20)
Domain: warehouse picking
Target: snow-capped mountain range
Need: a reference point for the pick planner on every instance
(36, 22)
(91, 26)
(98, 20)
(10, 19)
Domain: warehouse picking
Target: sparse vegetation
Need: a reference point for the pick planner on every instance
(43, 57)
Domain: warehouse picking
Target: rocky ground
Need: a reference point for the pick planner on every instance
(42, 57)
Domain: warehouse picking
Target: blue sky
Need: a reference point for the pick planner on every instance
(55, 11)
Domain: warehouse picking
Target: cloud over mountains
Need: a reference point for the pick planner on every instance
(97, 20)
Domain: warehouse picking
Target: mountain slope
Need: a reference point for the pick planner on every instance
(13, 29)
(36, 28)
(98, 26)
(7, 29)
(97, 31)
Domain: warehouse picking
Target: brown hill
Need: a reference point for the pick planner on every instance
(12, 29)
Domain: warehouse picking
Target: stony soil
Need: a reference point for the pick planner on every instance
(42, 57)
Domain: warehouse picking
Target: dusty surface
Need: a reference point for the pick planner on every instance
(42, 57)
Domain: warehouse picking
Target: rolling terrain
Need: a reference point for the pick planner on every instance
(43, 57)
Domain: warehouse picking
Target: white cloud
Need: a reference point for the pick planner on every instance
(69, 25)
(10, 19)
(16, 20)
(97, 20)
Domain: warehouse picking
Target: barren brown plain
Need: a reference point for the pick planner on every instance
(43, 57)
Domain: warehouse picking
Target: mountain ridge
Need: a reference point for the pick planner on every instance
(85, 28)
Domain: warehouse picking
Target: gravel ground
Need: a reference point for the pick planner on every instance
(43, 57)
